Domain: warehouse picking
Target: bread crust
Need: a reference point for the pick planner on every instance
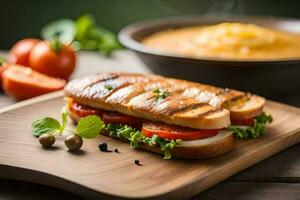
(253, 107)
(200, 149)
(188, 104)
(134, 94)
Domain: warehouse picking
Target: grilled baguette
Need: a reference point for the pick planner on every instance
(132, 94)
(187, 104)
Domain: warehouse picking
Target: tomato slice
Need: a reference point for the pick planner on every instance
(245, 122)
(23, 83)
(83, 111)
(176, 132)
(119, 118)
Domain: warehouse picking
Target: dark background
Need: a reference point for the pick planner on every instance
(24, 18)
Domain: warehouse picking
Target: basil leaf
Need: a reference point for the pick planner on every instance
(64, 116)
(45, 125)
(84, 24)
(108, 41)
(83, 34)
(89, 126)
(93, 37)
(64, 29)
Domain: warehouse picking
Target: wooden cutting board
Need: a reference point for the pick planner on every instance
(94, 174)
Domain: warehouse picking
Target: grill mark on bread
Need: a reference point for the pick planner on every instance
(101, 80)
(174, 104)
(211, 95)
(125, 94)
(135, 79)
(228, 93)
(210, 112)
(185, 115)
(167, 106)
(145, 101)
(153, 103)
(233, 98)
(77, 86)
(148, 92)
(102, 92)
(190, 107)
(224, 96)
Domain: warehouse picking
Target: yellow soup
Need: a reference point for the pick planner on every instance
(228, 41)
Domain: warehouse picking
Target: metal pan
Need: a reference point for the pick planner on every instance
(269, 78)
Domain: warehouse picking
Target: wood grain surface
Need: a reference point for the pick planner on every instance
(92, 173)
(275, 177)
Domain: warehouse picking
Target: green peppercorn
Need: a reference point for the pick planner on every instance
(73, 142)
(47, 140)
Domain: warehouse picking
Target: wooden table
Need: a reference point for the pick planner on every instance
(275, 178)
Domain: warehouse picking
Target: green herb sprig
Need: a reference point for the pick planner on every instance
(109, 87)
(135, 137)
(161, 94)
(258, 129)
(87, 127)
(83, 33)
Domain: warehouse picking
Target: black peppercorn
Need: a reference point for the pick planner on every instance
(137, 162)
(116, 150)
(103, 146)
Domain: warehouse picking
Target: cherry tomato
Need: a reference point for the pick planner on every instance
(118, 118)
(57, 61)
(246, 122)
(19, 53)
(22, 82)
(83, 111)
(176, 132)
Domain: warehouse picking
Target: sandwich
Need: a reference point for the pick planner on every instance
(169, 116)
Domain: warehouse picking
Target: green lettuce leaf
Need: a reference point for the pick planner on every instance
(258, 129)
(136, 137)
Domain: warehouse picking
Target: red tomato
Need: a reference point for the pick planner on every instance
(83, 111)
(19, 53)
(246, 122)
(176, 132)
(118, 118)
(53, 62)
(22, 82)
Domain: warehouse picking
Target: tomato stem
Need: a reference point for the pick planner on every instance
(56, 45)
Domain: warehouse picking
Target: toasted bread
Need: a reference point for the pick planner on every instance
(188, 104)
(201, 148)
(251, 107)
(134, 95)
